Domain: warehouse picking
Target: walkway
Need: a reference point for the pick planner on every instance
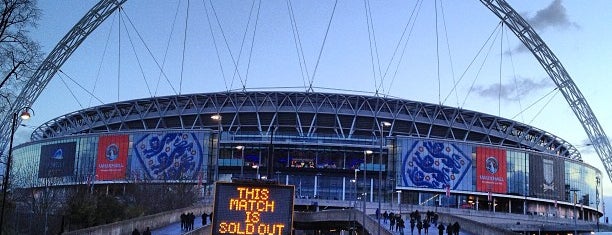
(175, 228)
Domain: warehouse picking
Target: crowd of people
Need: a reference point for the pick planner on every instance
(146, 232)
(187, 221)
(416, 220)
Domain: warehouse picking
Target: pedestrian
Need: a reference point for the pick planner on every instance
(385, 216)
(412, 222)
(391, 221)
(147, 231)
(135, 232)
(426, 226)
(183, 221)
(204, 218)
(419, 227)
(400, 225)
(378, 214)
(449, 229)
(440, 229)
(456, 228)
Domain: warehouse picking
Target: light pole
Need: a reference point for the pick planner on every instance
(241, 148)
(354, 181)
(5, 184)
(365, 154)
(574, 214)
(218, 118)
(382, 126)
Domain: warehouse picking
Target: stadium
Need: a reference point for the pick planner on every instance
(330, 146)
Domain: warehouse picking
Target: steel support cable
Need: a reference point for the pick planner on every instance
(214, 40)
(373, 49)
(79, 85)
(144, 77)
(70, 90)
(438, 55)
(448, 50)
(535, 102)
(229, 50)
(544, 106)
(119, 57)
(399, 43)
(418, 4)
(516, 87)
(298, 46)
(501, 63)
(314, 72)
(110, 30)
(246, 76)
(178, 4)
(480, 68)
(150, 53)
(246, 30)
(184, 47)
(471, 63)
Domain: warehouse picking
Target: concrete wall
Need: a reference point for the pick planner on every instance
(472, 226)
(141, 223)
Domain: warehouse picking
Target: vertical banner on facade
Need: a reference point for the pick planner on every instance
(436, 164)
(111, 161)
(168, 155)
(546, 177)
(57, 160)
(491, 174)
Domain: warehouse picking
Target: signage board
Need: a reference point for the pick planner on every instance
(252, 208)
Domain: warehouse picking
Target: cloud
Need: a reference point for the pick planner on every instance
(513, 91)
(553, 16)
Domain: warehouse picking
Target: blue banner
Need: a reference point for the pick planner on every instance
(436, 164)
(57, 160)
(168, 156)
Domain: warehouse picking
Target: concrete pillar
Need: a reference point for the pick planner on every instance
(371, 189)
(343, 188)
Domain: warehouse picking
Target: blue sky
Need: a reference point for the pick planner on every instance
(577, 32)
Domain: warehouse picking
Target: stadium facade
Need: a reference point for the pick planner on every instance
(322, 143)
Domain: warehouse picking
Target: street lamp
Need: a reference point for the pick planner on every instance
(574, 214)
(399, 200)
(241, 148)
(365, 154)
(24, 116)
(218, 118)
(382, 126)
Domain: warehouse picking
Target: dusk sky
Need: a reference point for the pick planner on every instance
(215, 54)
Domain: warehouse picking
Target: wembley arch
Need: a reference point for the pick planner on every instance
(519, 26)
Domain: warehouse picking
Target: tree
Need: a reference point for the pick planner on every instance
(19, 54)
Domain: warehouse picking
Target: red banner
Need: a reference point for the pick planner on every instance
(491, 173)
(111, 162)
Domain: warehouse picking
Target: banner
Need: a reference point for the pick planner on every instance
(435, 164)
(168, 155)
(546, 177)
(57, 160)
(111, 162)
(491, 174)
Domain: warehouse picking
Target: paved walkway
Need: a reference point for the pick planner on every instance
(175, 228)
(433, 230)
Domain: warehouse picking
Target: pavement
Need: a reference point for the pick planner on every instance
(175, 228)
(433, 230)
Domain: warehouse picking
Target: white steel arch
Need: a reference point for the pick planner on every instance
(524, 32)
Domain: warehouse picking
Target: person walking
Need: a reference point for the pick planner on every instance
(456, 228)
(426, 226)
(412, 223)
(449, 229)
(440, 229)
(419, 226)
(147, 231)
(135, 232)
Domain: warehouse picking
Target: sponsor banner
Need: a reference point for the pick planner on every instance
(546, 177)
(436, 164)
(57, 160)
(491, 173)
(111, 162)
(167, 156)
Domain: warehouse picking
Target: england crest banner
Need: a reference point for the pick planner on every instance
(168, 155)
(436, 164)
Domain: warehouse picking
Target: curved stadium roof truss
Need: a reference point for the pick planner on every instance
(306, 114)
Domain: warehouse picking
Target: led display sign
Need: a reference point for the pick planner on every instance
(253, 208)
